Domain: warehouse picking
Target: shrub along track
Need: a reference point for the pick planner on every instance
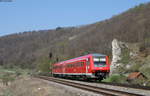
(127, 85)
(95, 89)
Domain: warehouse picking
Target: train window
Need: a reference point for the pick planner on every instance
(76, 64)
(79, 64)
(56, 67)
(99, 61)
(70, 65)
(82, 63)
(73, 65)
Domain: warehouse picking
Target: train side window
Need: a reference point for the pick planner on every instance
(74, 64)
(79, 64)
(68, 65)
(71, 65)
(82, 63)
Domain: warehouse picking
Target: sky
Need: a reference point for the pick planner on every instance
(28, 15)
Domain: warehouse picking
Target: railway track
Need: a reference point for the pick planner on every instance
(95, 89)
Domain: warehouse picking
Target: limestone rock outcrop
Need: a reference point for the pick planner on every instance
(117, 47)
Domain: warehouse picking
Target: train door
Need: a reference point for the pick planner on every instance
(63, 68)
(87, 65)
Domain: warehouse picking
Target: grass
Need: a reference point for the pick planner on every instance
(125, 56)
(116, 78)
(7, 92)
(145, 69)
(9, 75)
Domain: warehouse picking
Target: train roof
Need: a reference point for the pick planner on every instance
(96, 54)
(81, 57)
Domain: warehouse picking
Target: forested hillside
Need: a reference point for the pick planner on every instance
(27, 49)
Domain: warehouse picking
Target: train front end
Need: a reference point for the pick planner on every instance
(100, 67)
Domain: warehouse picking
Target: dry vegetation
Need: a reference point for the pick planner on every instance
(27, 86)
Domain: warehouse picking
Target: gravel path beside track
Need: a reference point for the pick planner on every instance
(71, 90)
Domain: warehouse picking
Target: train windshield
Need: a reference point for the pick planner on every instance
(99, 61)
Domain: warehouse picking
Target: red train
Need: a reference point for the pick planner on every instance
(89, 66)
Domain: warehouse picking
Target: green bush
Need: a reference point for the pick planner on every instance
(125, 56)
(8, 92)
(145, 68)
(116, 78)
(7, 78)
(44, 65)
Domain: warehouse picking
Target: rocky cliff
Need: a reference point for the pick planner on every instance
(128, 58)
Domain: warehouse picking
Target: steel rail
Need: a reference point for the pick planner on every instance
(99, 90)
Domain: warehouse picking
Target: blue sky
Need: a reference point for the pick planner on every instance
(28, 15)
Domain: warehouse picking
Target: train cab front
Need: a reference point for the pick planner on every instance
(101, 66)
